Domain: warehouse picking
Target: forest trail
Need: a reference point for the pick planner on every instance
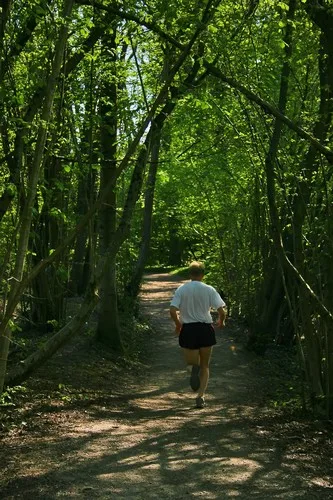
(152, 443)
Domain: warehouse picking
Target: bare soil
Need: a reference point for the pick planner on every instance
(93, 426)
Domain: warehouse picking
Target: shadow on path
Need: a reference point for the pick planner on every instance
(152, 443)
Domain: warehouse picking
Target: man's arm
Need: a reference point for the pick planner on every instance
(174, 316)
(222, 316)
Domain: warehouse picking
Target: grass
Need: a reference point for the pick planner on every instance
(172, 270)
(180, 271)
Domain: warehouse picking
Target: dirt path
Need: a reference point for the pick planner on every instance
(153, 443)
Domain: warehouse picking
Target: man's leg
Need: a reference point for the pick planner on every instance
(191, 356)
(204, 356)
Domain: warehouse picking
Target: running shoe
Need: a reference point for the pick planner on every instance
(200, 402)
(195, 379)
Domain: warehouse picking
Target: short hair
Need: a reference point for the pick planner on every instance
(196, 269)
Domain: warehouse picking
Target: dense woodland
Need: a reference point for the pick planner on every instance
(152, 133)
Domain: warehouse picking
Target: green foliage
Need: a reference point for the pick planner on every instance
(180, 271)
(7, 398)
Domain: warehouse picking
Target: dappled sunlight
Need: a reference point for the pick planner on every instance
(153, 443)
(142, 452)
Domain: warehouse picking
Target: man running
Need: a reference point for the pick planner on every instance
(190, 311)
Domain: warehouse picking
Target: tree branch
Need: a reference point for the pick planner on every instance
(270, 109)
(132, 17)
(213, 70)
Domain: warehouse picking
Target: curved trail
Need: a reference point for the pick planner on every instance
(211, 453)
(152, 443)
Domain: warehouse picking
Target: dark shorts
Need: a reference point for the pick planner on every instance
(196, 335)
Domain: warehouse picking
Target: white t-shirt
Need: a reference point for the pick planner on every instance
(194, 300)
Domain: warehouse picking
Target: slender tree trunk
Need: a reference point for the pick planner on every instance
(8, 194)
(48, 289)
(108, 328)
(38, 358)
(270, 162)
(133, 287)
(86, 197)
(78, 281)
(4, 15)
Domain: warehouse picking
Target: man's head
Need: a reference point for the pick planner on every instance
(196, 270)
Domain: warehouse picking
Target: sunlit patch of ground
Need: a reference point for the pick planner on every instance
(139, 436)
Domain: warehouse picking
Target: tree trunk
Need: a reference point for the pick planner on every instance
(48, 289)
(85, 242)
(108, 328)
(78, 281)
(270, 179)
(4, 15)
(38, 358)
(133, 287)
